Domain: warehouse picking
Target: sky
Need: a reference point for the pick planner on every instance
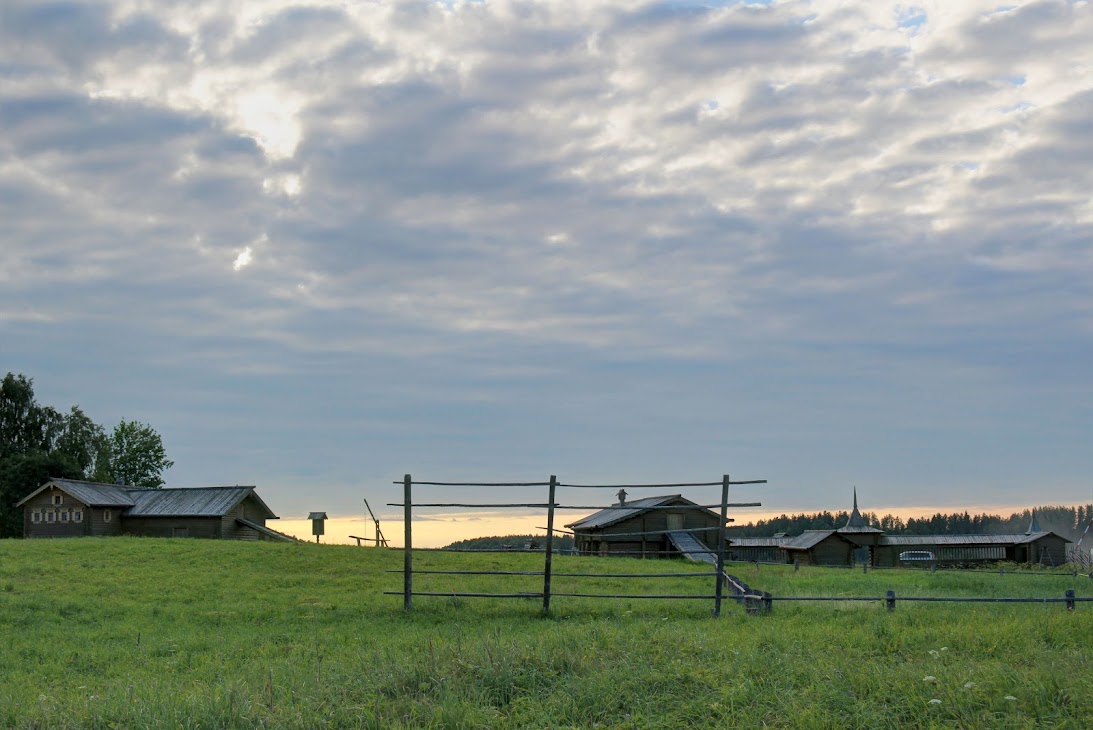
(320, 245)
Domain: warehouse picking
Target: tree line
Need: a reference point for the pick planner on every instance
(512, 542)
(38, 442)
(1069, 522)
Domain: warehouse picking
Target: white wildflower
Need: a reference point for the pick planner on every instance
(944, 648)
(1011, 698)
(969, 685)
(929, 678)
(934, 701)
(934, 653)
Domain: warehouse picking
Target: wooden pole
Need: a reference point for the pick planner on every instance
(720, 579)
(407, 559)
(549, 544)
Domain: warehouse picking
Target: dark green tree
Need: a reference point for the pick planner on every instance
(137, 456)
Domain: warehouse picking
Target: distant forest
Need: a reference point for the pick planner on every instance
(1070, 522)
(512, 542)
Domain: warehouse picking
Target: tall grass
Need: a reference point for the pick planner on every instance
(130, 632)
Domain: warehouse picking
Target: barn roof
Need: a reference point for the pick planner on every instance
(1001, 539)
(618, 513)
(144, 502)
(93, 494)
(809, 539)
(192, 502)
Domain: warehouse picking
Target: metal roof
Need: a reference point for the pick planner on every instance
(808, 539)
(93, 494)
(618, 513)
(194, 502)
(1002, 539)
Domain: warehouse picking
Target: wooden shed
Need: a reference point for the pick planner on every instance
(73, 508)
(644, 527)
(1044, 548)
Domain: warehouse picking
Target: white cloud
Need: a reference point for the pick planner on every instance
(626, 181)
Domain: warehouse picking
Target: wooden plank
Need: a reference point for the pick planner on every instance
(549, 544)
(408, 558)
(719, 581)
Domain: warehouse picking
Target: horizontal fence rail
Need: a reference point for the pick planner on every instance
(700, 574)
(551, 506)
(580, 506)
(890, 598)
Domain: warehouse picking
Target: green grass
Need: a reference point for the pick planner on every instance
(129, 632)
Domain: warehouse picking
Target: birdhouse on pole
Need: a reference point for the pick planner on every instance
(317, 527)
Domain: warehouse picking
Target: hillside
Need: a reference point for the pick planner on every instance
(132, 633)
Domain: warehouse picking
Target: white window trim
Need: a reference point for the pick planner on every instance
(106, 515)
(77, 515)
(58, 500)
(36, 516)
(51, 516)
(65, 517)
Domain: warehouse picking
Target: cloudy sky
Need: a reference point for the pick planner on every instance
(318, 245)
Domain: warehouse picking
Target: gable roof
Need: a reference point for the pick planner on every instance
(143, 502)
(618, 513)
(192, 502)
(93, 494)
(810, 539)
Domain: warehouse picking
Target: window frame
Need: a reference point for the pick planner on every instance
(106, 516)
(57, 500)
(36, 517)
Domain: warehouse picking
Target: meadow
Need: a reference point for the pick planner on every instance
(132, 633)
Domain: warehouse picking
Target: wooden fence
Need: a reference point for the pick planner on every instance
(724, 587)
(763, 602)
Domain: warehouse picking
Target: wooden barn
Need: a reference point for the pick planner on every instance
(1045, 548)
(649, 527)
(72, 508)
(837, 547)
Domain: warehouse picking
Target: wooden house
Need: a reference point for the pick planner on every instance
(648, 527)
(73, 508)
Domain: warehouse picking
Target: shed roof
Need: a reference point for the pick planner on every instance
(192, 502)
(93, 494)
(1000, 539)
(618, 513)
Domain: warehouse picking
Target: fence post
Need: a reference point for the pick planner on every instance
(797, 565)
(768, 602)
(1070, 600)
(865, 567)
(549, 544)
(407, 555)
(719, 582)
(890, 600)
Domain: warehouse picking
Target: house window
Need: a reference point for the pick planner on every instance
(77, 515)
(58, 500)
(51, 516)
(36, 516)
(64, 517)
(106, 515)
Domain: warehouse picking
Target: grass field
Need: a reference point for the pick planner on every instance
(130, 632)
